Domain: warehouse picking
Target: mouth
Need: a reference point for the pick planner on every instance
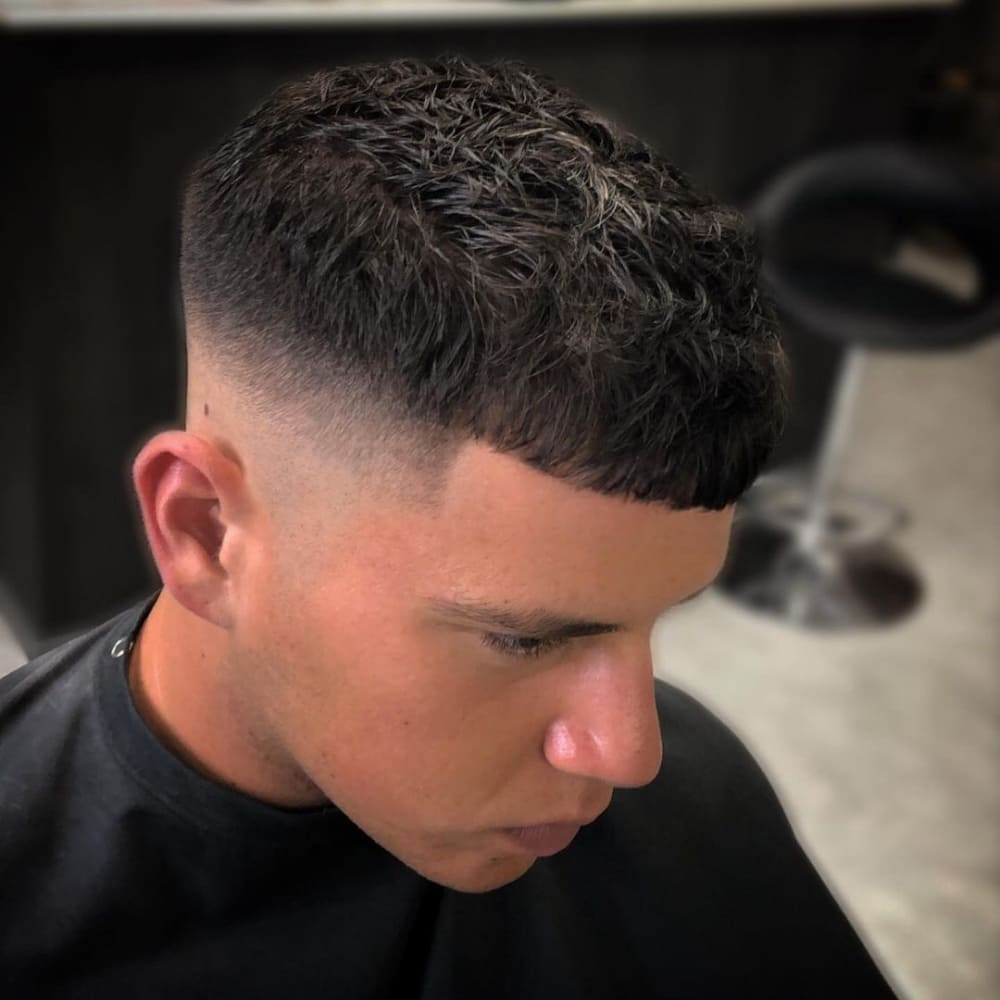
(543, 840)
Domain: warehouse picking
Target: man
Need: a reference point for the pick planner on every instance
(474, 381)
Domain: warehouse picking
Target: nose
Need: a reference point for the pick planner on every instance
(608, 728)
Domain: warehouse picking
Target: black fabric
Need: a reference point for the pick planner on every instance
(123, 873)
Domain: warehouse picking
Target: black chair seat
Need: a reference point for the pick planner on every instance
(829, 225)
(864, 306)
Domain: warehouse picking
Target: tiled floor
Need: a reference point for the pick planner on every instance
(886, 745)
(11, 654)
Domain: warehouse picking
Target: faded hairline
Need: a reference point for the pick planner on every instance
(298, 437)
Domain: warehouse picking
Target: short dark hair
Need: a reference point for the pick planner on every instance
(467, 251)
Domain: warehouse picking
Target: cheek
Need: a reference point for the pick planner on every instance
(377, 706)
(395, 715)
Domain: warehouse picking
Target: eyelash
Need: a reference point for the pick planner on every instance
(520, 646)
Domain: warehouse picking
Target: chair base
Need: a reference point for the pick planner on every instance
(834, 588)
(781, 499)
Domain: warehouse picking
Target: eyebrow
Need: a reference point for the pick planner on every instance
(539, 623)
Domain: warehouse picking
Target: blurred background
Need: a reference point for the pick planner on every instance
(854, 640)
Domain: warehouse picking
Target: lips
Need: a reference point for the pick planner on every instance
(544, 840)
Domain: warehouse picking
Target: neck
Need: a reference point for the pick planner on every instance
(186, 691)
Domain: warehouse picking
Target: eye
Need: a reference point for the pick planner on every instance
(523, 646)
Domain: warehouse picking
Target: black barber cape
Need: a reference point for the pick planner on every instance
(123, 873)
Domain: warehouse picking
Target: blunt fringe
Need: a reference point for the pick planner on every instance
(464, 250)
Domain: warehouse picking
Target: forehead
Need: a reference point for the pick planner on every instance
(505, 530)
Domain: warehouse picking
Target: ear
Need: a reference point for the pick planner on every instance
(193, 501)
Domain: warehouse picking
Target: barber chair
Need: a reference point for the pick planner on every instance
(852, 244)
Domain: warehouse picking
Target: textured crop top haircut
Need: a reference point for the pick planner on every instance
(452, 251)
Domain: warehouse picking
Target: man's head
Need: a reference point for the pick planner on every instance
(460, 350)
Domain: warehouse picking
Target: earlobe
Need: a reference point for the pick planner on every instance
(184, 485)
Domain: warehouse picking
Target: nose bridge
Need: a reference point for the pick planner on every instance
(610, 729)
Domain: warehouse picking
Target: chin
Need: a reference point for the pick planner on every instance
(491, 873)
